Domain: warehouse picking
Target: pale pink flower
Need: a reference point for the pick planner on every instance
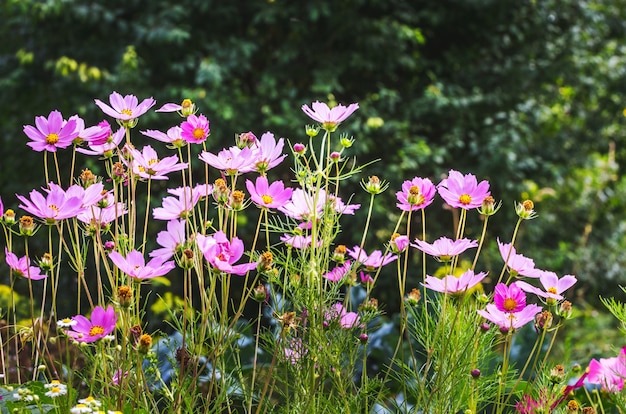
(372, 261)
(338, 205)
(399, 244)
(297, 241)
(329, 118)
(97, 134)
(300, 207)
(102, 323)
(517, 263)
(232, 161)
(102, 217)
(347, 320)
(171, 240)
(463, 191)
(51, 133)
(134, 265)
(509, 320)
(552, 285)
(125, 108)
(178, 207)
(444, 248)
(53, 206)
(416, 194)
(195, 129)
(173, 136)
(107, 148)
(453, 284)
(21, 266)
(222, 253)
(267, 153)
(146, 164)
(267, 195)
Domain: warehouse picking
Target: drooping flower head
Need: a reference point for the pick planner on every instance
(21, 266)
(509, 298)
(51, 133)
(222, 254)
(444, 248)
(135, 266)
(102, 323)
(372, 261)
(329, 118)
(267, 195)
(416, 194)
(463, 191)
(125, 109)
(517, 263)
(453, 284)
(195, 129)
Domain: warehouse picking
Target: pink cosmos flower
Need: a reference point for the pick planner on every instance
(329, 118)
(102, 323)
(51, 133)
(509, 320)
(452, 284)
(365, 278)
(294, 351)
(222, 254)
(125, 108)
(552, 285)
(267, 153)
(298, 241)
(517, 263)
(146, 164)
(301, 205)
(444, 248)
(416, 194)
(509, 298)
(173, 136)
(97, 134)
(178, 207)
(399, 244)
(21, 266)
(135, 266)
(118, 375)
(463, 191)
(609, 373)
(107, 148)
(54, 206)
(339, 206)
(90, 196)
(266, 195)
(232, 161)
(195, 129)
(372, 261)
(339, 272)
(347, 320)
(170, 240)
(100, 217)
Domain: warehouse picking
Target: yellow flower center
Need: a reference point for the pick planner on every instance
(96, 330)
(552, 290)
(198, 133)
(465, 199)
(55, 208)
(267, 199)
(186, 103)
(52, 138)
(126, 112)
(54, 390)
(153, 161)
(510, 304)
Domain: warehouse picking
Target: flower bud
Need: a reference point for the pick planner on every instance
(109, 245)
(346, 142)
(236, 200)
(260, 293)
(489, 207)
(299, 149)
(265, 261)
(311, 130)
(246, 139)
(339, 255)
(589, 410)
(572, 406)
(565, 310)
(371, 305)
(45, 263)
(87, 178)
(414, 297)
(186, 260)
(124, 296)
(9, 217)
(543, 320)
(398, 243)
(557, 374)
(221, 193)
(27, 226)
(373, 185)
(335, 156)
(144, 344)
(525, 210)
(485, 326)
(475, 373)
(188, 107)
(363, 338)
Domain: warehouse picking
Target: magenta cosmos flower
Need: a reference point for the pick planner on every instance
(222, 253)
(106, 149)
(135, 266)
(609, 373)
(329, 118)
(195, 129)
(55, 205)
(509, 320)
(21, 266)
(372, 261)
(452, 284)
(232, 161)
(416, 194)
(347, 320)
(444, 248)
(171, 240)
(125, 108)
(339, 273)
(173, 136)
(147, 165)
(463, 191)
(267, 153)
(517, 263)
(509, 298)
(102, 323)
(51, 133)
(267, 195)
(552, 285)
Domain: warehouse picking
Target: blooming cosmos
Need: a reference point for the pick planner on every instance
(346, 319)
(233, 161)
(329, 118)
(102, 323)
(185, 108)
(552, 285)
(298, 241)
(339, 272)
(195, 129)
(21, 266)
(222, 254)
(444, 248)
(135, 266)
(178, 207)
(609, 373)
(106, 148)
(146, 163)
(453, 284)
(509, 320)
(517, 263)
(100, 218)
(267, 153)
(173, 136)
(170, 240)
(509, 298)
(268, 195)
(55, 205)
(416, 194)
(372, 261)
(463, 191)
(125, 108)
(51, 133)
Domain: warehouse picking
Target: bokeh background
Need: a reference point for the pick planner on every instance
(526, 94)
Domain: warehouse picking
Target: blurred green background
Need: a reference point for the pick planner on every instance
(526, 94)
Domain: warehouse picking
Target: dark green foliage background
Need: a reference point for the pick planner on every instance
(526, 94)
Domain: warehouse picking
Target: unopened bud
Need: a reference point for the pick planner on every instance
(9, 217)
(565, 310)
(363, 338)
(339, 254)
(543, 320)
(311, 130)
(188, 107)
(27, 226)
(475, 373)
(144, 344)
(414, 297)
(299, 149)
(398, 243)
(557, 374)
(260, 293)
(125, 296)
(525, 210)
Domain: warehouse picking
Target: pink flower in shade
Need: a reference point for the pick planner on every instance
(301, 205)
(222, 254)
(102, 323)
(452, 284)
(267, 153)
(195, 129)
(102, 217)
(170, 240)
(339, 206)
(178, 207)
(21, 266)
(552, 285)
(267, 195)
(517, 263)
(365, 278)
(509, 320)
(125, 108)
(609, 373)
(329, 118)
(51, 133)
(294, 351)
(232, 161)
(527, 405)
(347, 320)
(106, 149)
(97, 134)
(146, 164)
(118, 375)
(55, 205)
(416, 194)
(463, 191)
(135, 266)
(173, 136)
(339, 273)
(372, 261)
(444, 248)
(298, 241)
(509, 298)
